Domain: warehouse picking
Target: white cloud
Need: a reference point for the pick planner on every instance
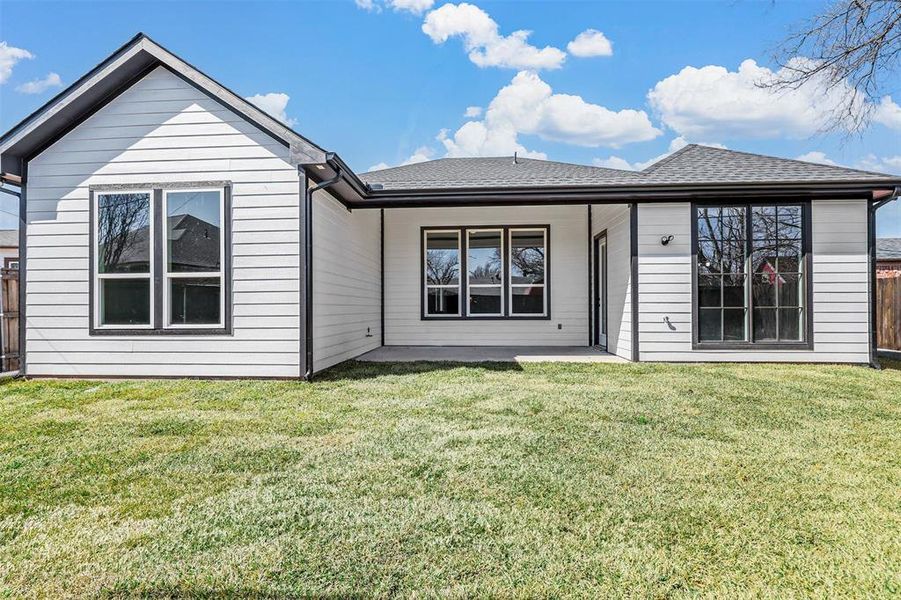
(886, 164)
(421, 154)
(528, 106)
(274, 104)
(473, 112)
(613, 162)
(9, 56)
(38, 86)
(616, 162)
(590, 42)
(417, 7)
(816, 157)
(713, 101)
(888, 113)
(475, 138)
(368, 5)
(483, 41)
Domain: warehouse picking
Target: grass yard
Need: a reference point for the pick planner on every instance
(533, 480)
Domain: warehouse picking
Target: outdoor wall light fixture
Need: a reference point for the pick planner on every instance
(666, 240)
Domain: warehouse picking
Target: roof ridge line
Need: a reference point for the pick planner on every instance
(666, 159)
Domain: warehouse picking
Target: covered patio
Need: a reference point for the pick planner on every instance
(518, 354)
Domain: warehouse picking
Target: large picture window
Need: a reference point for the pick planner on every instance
(504, 272)
(159, 260)
(752, 277)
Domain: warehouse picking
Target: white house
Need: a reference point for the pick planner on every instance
(170, 228)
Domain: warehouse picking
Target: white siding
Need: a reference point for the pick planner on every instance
(840, 293)
(568, 279)
(163, 130)
(615, 219)
(346, 282)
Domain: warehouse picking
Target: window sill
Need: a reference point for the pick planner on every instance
(487, 318)
(158, 332)
(751, 346)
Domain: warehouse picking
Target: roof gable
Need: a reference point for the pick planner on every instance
(114, 75)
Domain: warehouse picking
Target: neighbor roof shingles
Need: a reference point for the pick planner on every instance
(9, 238)
(693, 164)
(888, 248)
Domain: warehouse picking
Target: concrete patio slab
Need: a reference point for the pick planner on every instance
(518, 354)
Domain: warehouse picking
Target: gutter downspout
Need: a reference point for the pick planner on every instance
(875, 205)
(308, 266)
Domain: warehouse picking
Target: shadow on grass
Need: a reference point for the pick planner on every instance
(191, 591)
(354, 370)
(889, 364)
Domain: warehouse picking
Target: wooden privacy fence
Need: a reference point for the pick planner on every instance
(9, 319)
(888, 311)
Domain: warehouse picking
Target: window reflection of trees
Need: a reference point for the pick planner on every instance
(528, 264)
(123, 233)
(489, 271)
(442, 267)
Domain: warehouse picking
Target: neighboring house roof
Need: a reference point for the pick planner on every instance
(693, 164)
(9, 238)
(888, 249)
(194, 245)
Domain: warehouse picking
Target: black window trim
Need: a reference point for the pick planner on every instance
(158, 327)
(806, 261)
(462, 230)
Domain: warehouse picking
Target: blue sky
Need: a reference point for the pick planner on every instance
(380, 83)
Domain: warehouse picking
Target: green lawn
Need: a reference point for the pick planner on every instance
(534, 480)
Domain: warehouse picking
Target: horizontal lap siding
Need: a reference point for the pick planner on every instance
(162, 130)
(568, 279)
(346, 282)
(840, 293)
(615, 219)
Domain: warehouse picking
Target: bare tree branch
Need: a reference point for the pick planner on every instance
(852, 50)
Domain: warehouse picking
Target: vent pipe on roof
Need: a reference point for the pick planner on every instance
(515, 161)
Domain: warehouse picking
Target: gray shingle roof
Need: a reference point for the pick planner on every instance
(704, 164)
(9, 238)
(888, 248)
(499, 172)
(693, 164)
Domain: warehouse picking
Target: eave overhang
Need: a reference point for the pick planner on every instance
(862, 190)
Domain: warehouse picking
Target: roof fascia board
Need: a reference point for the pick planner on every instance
(608, 196)
(641, 190)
